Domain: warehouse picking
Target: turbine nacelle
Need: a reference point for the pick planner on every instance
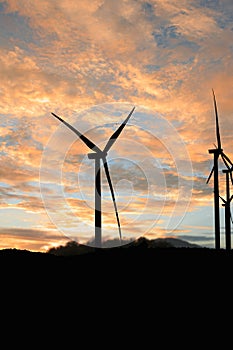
(96, 155)
(216, 150)
(227, 171)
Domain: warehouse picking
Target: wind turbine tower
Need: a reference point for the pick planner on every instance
(99, 155)
(217, 151)
(227, 205)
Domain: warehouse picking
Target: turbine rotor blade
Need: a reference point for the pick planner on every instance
(225, 162)
(217, 123)
(224, 201)
(231, 177)
(231, 218)
(210, 175)
(226, 158)
(117, 133)
(87, 142)
(230, 168)
(112, 193)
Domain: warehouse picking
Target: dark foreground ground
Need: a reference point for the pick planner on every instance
(179, 262)
(159, 282)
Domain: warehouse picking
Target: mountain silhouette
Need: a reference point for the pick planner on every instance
(74, 248)
(169, 242)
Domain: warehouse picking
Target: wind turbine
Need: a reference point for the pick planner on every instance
(217, 151)
(97, 155)
(227, 205)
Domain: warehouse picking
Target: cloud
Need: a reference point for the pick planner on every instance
(31, 239)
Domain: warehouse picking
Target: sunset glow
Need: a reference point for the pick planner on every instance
(91, 62)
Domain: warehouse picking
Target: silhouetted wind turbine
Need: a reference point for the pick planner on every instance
(227, 205)
(97, 155)
(217, 151)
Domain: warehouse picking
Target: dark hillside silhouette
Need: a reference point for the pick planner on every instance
(140, 265)
(71, 248)
(155, 249)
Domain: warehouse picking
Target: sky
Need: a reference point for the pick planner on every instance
(91, 62)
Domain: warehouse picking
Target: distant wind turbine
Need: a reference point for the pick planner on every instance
(97, 155)
(217, 151)
(227, 205)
